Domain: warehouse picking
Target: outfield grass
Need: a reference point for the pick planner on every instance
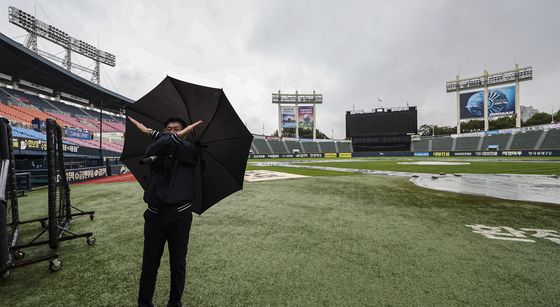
(477, 167)
(454, 158)
(337, 241)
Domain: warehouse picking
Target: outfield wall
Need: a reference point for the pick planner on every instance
(499, 153)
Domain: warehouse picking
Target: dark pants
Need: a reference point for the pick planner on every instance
(174, 228)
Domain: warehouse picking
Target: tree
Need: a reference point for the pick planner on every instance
(303, 133)
(540, 118)
(502, 123)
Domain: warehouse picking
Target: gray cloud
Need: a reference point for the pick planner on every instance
(351, 51)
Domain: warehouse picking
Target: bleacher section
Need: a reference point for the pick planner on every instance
(261, 146)
(344, 146)
(24, 99)
(525, 140)
(22, 108)
(327, 147)
(441, 144)
(421, 145)
(293, 145)
(310, 147)
(552, 140)
(19, 132)
(467, 144)
(277, 146)
(544, 137)
(498, 139)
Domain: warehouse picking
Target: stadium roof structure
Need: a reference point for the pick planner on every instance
(22, 63)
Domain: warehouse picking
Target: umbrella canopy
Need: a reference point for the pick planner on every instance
(222, 138)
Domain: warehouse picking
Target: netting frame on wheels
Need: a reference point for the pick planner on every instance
(59, 204)
(10, 252)
(8, 198)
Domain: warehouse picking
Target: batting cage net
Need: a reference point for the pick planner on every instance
(56, 224)
(60, 207)
(8, 196)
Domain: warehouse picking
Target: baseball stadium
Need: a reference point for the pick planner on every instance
(386, 215)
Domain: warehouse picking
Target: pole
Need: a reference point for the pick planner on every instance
(314, 118)
(297, 117)
(517, 98)
(485, 100)
(458, 107)
(279, 115)
(101, 131)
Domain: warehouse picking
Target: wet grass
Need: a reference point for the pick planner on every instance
(319, 241)
(476, 167)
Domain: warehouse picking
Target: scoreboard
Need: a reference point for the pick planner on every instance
(382, 122)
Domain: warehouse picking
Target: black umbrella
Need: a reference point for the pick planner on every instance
(222, 138)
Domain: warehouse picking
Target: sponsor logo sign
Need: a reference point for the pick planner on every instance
(76, 175)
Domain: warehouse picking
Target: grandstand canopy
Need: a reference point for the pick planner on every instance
(22, 63)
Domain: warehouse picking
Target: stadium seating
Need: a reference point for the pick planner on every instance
(310, 147)
(24, 99)
(261, 146)
(15, 115)
(442, 144)
(421, 145)
(467, 143)
(498, 139)
(67, 115)
(344, 146)
(525, 140)
(327, 146)
(277, 147)
(28, 133)
(552, 140)
(293, 145)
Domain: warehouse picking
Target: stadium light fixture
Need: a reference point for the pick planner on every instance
(37, 28)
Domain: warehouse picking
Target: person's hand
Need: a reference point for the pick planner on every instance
(139, 125)
(183, 133)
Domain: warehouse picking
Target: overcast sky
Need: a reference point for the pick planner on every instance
(353, 52)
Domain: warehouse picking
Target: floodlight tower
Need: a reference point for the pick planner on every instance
(36, 28)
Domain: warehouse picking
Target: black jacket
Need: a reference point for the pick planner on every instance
(171, 180)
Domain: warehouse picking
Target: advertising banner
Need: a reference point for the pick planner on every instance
(77, 134)
(39, 145)
(501, 101)
(306, 117)
(81, 174)
(288, 117)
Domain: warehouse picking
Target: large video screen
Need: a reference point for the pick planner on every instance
(288, 117)
(305, 117)
(381, 123)
(501, 101)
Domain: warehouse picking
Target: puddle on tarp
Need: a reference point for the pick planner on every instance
(538, 188)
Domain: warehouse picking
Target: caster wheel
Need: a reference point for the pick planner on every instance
(55, 265)
(91, 240)
(91, 216)
(19, 255)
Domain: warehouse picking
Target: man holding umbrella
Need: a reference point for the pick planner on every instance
(169, 195)
(184, 176)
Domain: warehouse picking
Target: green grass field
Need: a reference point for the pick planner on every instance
(475, 166)
(320, 241)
